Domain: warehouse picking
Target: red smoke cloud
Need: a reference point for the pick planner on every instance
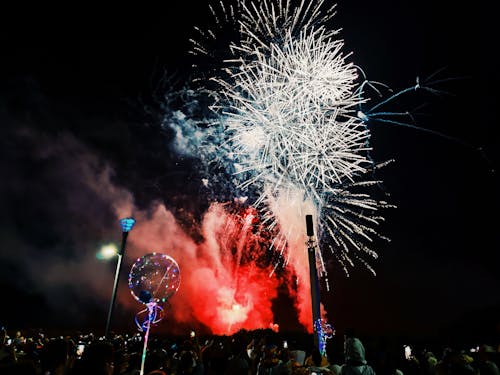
(227, 282)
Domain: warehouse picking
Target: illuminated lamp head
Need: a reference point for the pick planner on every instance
(107, 252)
(127, 224)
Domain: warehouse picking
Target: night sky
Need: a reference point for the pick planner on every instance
(80, 108)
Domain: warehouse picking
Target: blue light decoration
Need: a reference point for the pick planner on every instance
(318, 330)
(325, 331)
(127, 224)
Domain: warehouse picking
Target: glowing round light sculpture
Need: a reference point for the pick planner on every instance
(154, 277)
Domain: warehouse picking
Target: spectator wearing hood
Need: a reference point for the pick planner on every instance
(485, 363)
(355, 362)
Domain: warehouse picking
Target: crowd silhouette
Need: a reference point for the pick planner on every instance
(259, 352)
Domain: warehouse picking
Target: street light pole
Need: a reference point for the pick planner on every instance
(126, 224)
(319, 341)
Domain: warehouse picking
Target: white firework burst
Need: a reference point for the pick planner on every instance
(288, 103)
(288, 114)
(259, 23)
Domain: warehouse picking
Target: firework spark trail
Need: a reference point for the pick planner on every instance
(287, 101)
(289, 135)
(287, 130)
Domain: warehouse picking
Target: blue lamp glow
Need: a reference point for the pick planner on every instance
(127, 224)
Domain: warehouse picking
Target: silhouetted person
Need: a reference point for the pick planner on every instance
(355, 362)
(54, 359)
(485, 364)
(239, 362)
(97, 359)
(454, 363)
(269, 364)
(7, 352)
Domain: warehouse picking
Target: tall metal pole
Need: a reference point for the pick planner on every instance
(319, 341)
(126, 225)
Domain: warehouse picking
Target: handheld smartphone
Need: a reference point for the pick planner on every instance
(193, 334)
(407, 350)
(80, 349)
(285, 344)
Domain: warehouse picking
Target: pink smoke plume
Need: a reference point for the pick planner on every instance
(222, 285)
